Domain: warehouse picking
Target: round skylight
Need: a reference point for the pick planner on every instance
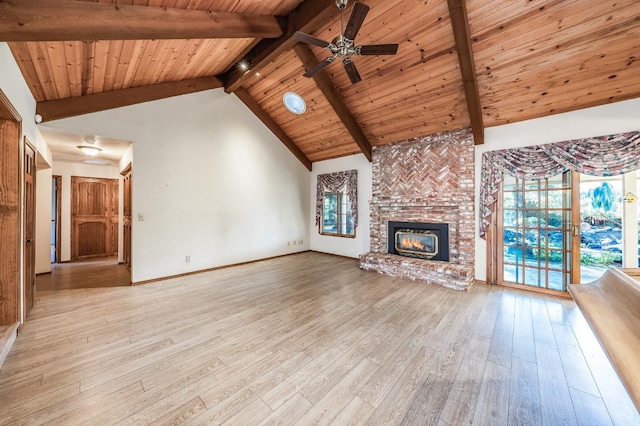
(294, 103)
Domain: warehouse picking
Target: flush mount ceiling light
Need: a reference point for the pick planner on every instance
(294, 103)
(89, 150)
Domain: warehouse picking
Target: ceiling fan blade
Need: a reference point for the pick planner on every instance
(352, 71)
(309, 39)
(319, 67)
(358, 13)
(377, 49)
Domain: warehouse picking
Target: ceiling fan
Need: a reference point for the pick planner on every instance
(343, 45)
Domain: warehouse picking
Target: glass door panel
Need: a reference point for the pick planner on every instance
(536, 232)
(601, 237)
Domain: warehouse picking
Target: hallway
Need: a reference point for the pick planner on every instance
(91, 273)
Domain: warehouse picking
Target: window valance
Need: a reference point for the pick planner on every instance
(335, 182)
(598, 156)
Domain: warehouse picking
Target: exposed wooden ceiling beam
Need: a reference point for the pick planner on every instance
(460, 24)
(61, 20)
(335, 100)
(308, 17)
(262, 115)
(79, 105)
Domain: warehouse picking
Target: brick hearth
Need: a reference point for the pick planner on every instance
(429, 179)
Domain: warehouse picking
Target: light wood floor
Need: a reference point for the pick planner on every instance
(90, 273)
(307, 339)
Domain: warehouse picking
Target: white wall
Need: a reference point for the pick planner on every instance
(350, 247)
(43, 209)
(66, 170)
(127, 158)
(43, 220)
(211, 181)
(597, 121)
(15, 88)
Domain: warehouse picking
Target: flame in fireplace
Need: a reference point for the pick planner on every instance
(411, 243)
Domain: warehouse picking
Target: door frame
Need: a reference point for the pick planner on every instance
(127, 222)
(29, 219)
(10, 250)
(495, 242)
(110, 217)
(56, 181)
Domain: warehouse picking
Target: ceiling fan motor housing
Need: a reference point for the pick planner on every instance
(342, 47)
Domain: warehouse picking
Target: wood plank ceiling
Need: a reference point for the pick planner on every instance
(473, 63)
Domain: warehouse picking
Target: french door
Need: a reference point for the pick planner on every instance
(539, 232)
(566, 229)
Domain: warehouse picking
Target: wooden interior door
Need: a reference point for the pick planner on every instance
(94, 216)
(29, 281)
(10, 130)
(126, 218)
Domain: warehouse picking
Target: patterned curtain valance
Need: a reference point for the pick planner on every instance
(335, 182)
(599, 156)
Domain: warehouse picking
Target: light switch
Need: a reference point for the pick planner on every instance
(140, 217)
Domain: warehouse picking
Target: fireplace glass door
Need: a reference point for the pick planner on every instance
(537, 237)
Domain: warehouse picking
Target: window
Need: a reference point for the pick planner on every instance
(337, 216)
(337, 203)
(531, 236)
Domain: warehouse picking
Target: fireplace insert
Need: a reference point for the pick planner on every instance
(419, 239)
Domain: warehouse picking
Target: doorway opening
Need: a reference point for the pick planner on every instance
(536, 243)
(608, 224)
(569, 228)
(92, 205)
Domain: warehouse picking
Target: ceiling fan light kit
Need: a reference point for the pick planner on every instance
(343, 46)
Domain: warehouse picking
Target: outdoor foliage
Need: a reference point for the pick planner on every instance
(602, 198)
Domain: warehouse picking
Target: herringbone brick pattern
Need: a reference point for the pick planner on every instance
(428, 179)
(439, 166)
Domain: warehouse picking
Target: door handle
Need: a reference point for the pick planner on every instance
(30, 240)
(576, 230)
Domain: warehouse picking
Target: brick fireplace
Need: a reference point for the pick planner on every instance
(428, 179)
